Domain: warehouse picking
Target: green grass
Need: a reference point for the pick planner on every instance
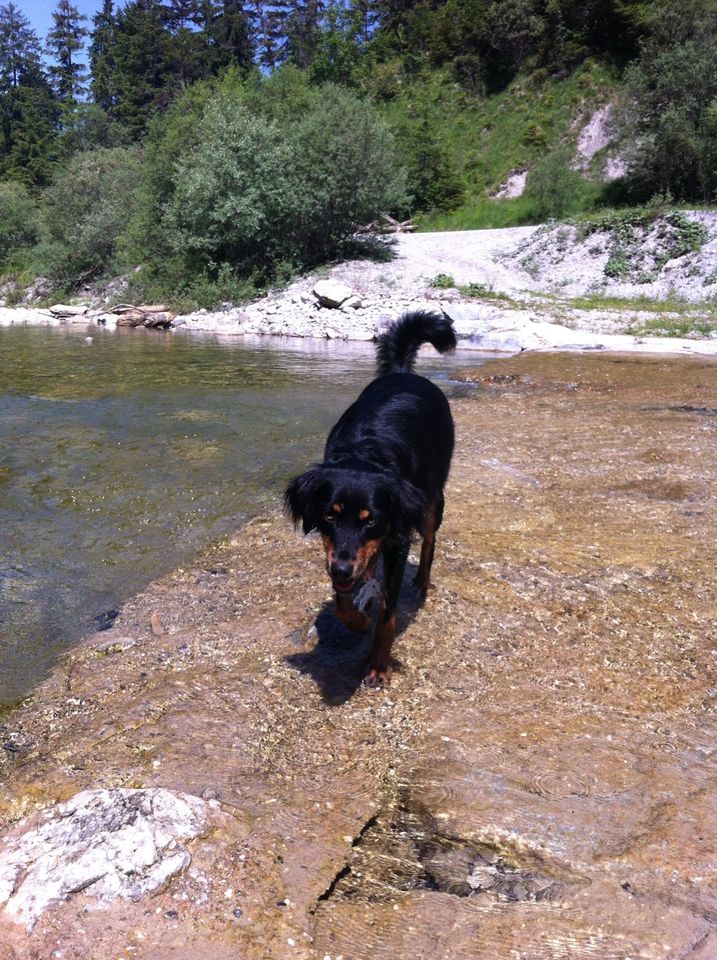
(486, 138)
(483, 214)
(675, 327)
(646, 304)
(475, 291)
(672, 316)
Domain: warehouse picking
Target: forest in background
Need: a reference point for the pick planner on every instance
(222, 145)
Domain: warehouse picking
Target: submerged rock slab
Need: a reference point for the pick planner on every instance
(107, 843)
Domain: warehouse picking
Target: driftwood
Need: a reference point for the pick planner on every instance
(146, 315)
(387, 224)
(391, 225)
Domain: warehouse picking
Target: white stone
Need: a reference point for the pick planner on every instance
(352, 303)
(105, 843)
(331, 293)
(513, 186)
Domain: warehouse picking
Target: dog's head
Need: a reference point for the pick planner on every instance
(355, 511)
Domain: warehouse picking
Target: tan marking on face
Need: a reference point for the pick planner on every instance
(336, 508)
(367, 556)
(364, 514)
(329, 548)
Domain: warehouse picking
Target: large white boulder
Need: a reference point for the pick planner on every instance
(331, 293)
(105, 843)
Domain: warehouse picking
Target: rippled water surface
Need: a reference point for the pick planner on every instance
(121, 456)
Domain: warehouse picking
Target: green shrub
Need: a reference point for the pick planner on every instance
(344, 173)
(265, 183)
(231, 190)
(19, 222)
(86, 211)
(442, 281)
(670, 104)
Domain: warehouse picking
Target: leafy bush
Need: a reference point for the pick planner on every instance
(442, 281)
(19, 222)
(344, 172)
(275, 173)
(231, 191)
(86, 211)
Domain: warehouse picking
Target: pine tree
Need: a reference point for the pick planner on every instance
(31, 117)
(64, 43)
(187, 58)
(269, 31)
(228, 30)
(19, 46)
(302, 28)
(28, 109)
(140, 64)
(102, 57)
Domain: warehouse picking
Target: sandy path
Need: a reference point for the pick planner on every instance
(468, 256)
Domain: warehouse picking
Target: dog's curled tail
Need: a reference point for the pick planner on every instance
(397, 347)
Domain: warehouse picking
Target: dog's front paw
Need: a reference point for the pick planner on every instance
(378, 676)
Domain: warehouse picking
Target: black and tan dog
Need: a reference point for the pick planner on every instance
(386, 462)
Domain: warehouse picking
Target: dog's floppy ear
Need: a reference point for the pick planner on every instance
(406, 507)
(304, 497)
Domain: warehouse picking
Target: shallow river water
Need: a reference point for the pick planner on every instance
(538, 780)
(121, 456)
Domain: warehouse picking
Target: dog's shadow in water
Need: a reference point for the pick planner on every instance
(339, 661)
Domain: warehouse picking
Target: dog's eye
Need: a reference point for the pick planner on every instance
(370, 523)
(329, 517)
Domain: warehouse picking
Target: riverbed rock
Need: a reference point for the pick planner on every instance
(11, 315)
(536, 781)
(108, 844)
(352, 303)
(331, 293)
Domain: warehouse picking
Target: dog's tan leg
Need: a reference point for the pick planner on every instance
(380, 665)
(394, 564)
(349, 615)
(434, 516)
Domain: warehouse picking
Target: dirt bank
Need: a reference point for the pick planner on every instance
(537, 781)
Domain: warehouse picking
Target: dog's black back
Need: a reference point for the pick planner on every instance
(401, 423)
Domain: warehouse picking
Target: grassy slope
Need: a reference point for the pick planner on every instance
(489, 137)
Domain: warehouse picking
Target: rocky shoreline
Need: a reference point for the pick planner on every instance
(508, 312)
(487, 327)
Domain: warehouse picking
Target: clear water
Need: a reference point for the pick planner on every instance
(121, 457)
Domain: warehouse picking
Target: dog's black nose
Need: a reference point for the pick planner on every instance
(342, 569)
